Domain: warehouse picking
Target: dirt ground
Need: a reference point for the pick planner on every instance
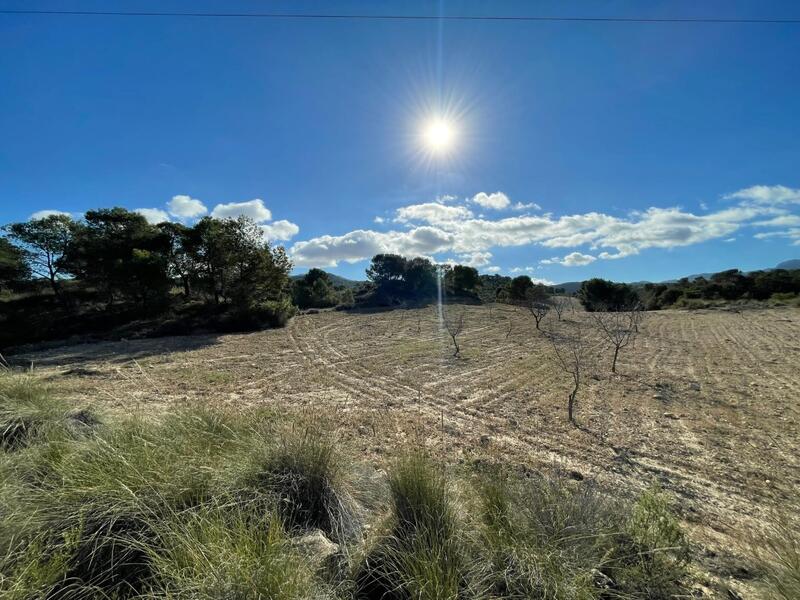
(705, 402)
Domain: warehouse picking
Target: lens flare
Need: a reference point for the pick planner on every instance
(439, 135)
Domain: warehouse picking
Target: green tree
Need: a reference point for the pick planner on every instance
(462, 280)
(181, 264)
(387, 272)
(46, 241)
(121, 254)
(316, 289)
(13, 264)
(519, 288)
(602, 295)
(420, 279)
(235, 262)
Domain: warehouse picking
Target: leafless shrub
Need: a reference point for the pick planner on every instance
(560, 304)
(570, 350)
(619, 328)
(538, 303)
(454, 323)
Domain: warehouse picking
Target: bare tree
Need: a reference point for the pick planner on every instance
(454, 323)
(619, 328)
(570, 350)
(538, 303)
(559, 304)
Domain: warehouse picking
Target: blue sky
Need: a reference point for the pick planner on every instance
(626, 151)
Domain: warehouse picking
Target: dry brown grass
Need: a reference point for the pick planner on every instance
(705, 402)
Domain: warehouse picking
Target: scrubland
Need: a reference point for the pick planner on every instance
(351, 455)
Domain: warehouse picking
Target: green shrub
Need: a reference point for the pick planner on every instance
(650, 559)
(554, 538)
(259, 315)
(546, 538)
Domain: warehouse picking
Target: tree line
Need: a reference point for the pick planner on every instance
(114, 261)
(726, 286)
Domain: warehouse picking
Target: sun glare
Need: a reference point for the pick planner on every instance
(439, 135)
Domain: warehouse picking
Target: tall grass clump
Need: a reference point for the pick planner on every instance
(551, 538)
(229, 551)
(424, 555)
(29, 411)
(778, 554)
(305, 477)
(92, 502)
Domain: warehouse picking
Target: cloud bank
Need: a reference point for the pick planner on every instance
(439, 227)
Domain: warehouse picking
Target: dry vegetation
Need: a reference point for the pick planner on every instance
(704, 402)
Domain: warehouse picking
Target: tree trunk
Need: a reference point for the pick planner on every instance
(614, 364)
(571, 405)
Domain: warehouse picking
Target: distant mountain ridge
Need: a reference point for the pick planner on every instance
(789, 264)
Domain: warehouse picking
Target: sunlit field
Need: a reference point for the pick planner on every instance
(703, 403)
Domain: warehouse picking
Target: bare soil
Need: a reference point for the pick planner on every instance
(705, 402)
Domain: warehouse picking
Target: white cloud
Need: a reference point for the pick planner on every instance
(280, 230)
(328, 251)
(379, 220)
(496, 200)
(476, 259)
(574, 259)
(781, 221)
(454, 228)
(186, 207)
(43, 214)
(767, 194)
(493, 269)
(528, 206)
(433, 213)
(253, 209)
(154, 216)
(792, 234)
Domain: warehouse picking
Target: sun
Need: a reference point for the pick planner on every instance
(439, 135)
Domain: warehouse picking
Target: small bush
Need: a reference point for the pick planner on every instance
(650, 557)
(546, 538)
(250, 317)
(552, 538)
